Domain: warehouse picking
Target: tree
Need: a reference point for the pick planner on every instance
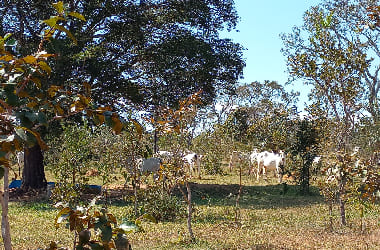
(176, 122)
(148, 52)
(140, 54)
(270, 109)
(349, 25)
(28, 102)
(335, 67)
(306, 140)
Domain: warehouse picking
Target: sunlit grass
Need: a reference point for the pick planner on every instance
(269, 219)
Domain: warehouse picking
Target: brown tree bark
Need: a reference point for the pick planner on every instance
(4, 198)
(342, 192)
(33, 175)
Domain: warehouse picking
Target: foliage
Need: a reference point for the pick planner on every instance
(330, 53)
(270, 110)
(305, 146)
(163, 206)
(177, 122)
(27, 103)
(164, 50)
(118, 153)
(30, 100)
(213, 149)
(237, 125)
(69, 160)
(81, 152)
(82, 220)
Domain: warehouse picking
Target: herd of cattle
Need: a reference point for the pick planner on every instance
(260, 162)
(264, 161)
(190, 160)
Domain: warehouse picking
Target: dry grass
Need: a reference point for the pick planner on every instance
(269, 220)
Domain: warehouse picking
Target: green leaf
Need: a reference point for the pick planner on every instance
(51, 21)
(106, 233)
(21, 133)
(68, 33)
(77, 15)
(42, 119)
(8, 35)
(11, 97)
(62, 215)
(29, 59)
(31, 116)
(58, 6)
(45, 67)
(12, 100)
(11, 42)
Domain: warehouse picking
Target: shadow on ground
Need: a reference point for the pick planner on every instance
(270, 196)
(256, 197)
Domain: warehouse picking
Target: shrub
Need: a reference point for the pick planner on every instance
(162, 205)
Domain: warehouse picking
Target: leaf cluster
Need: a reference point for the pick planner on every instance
(84, 220)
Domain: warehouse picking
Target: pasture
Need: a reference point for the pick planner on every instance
(269, 218)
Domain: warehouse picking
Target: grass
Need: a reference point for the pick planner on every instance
(269, 219)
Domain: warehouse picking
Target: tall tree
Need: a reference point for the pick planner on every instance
(349, 25)
(270, 109)
(26, 103)
(137, 53)
(325, 54)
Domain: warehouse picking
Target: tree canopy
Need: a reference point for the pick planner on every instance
(337, 52)
(152, 52)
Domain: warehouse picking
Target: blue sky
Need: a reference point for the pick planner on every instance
(260, 26)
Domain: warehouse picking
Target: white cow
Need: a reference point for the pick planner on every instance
(253, 160)
(267, 161)
(191, 160)
(149, 165)
(166, 156)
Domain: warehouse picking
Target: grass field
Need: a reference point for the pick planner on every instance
(269, 219)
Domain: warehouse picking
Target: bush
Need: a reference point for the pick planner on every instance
(162, 205)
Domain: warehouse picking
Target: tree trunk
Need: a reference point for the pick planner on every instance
(342, 191)
(189, 208)
(5, 228)
(155, 147)
(189, 212)
(237, 207)
(331, 215)
(33, 175)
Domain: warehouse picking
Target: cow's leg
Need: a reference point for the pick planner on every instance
(279, 173)
(265, 172)
(258, 171)
(199, 169)
(230, 163)
(191, 169)
(250, 168)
